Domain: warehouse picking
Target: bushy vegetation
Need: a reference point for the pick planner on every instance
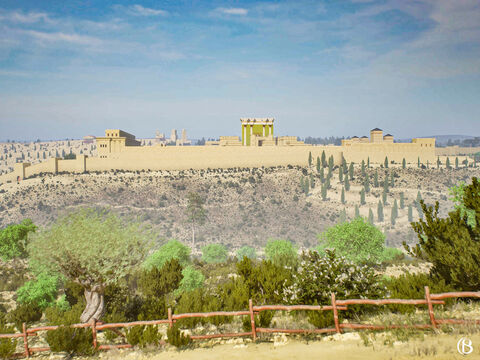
(357, 240)
(42, 291)
(451, 244)
(173, 249)
(24, 313)
(143, 336)
(214, 253)
(176, 338)
(281, 252)
(7, 345)
(14, 239)
(246, 251)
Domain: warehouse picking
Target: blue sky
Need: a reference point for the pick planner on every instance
(321, 68)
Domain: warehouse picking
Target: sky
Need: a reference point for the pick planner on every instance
(320, 68)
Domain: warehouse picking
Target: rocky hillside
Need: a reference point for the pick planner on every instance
(245, 206)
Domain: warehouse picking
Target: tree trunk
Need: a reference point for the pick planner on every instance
(95, 305)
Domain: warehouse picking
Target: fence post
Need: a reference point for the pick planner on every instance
(94, 333)
(335, 314)
(170, 321)
(430, 307)
(25, 340)
(252, 319)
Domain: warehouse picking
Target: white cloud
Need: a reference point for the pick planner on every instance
(24, 18)
(60, 36)
(232, 11)
(139, 10)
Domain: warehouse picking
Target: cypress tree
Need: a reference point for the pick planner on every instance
(350, 171)
(312, 181)
(404, 163)
(392, 217)
(362, 197)
(448, 163)
(368, 162)
(322, 175)
(327, 183)
(330, 163)
(344, 165)
(392, 180)
(302, 184)
(363, 168)
(375, 178)
(324, 192)
(402, 200)
(340, 174)
(428, 164)
(438, 162)
(357, 211)
(384, 197)
(342, 197)
(366, 184)
(318, 164)
(380, 211)
(410, 213)
(370, 216)
(386, 162)
(324, 159)
(347, 183)
(418, 165)
(307, 187)
(310, 158)
(342, 217)
(456, 163)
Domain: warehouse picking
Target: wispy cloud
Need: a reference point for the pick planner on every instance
(139, 10)
(62, 37)
(232, 11)
(23, 18)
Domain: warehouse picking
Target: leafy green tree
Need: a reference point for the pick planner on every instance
(246, 251)
(192, 279)
(350, 171)
(371, 220)
(173, 249)
(196, 213)
(214, 253)
(41, 291)
(92, 248)
(342, 197)
(357, 240)
(386, 162)
(451, 244)
(281, 252)
(380, 211)
(310, 159)
(14, 240)
(404, 163)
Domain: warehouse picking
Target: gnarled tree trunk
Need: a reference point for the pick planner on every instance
(95, 304)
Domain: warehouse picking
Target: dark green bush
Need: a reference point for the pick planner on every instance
(153, 309)
(74, 293)
(412, 286)
(78, 341)
(112, 318)
(176, 338)
(24, 313)
(7, 345)
(159, 282)
(321, 319)
(143, 335)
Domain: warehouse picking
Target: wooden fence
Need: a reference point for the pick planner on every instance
(336, 305)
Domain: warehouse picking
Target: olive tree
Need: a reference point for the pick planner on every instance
(93, 248)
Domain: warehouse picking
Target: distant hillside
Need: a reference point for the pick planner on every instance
(443, 140)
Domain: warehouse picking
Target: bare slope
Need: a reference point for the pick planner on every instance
(245, 206)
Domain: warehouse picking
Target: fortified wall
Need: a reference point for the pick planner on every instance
(258, 147)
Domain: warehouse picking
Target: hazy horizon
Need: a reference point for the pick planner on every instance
(319, 68)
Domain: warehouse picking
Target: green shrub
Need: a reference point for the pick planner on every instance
(153, 309)
(173, 249)
(7, 345)
(78, 341)
(357, 240)
(192, 279)
(246, 251)
(24, 313)
(74, 293)
(451, 244)
(11, 278)
(412, 286)
(176, 338)
(14, 239)
(42, 291)
(111, 319)
(197, 301)
(321, 319)
(143, 335)
(214, 253)
(158, 282)
(281, 252)
(390, 254)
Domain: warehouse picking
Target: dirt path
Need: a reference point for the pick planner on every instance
(440, 347)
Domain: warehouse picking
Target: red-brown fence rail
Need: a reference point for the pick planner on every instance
(336, 305)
